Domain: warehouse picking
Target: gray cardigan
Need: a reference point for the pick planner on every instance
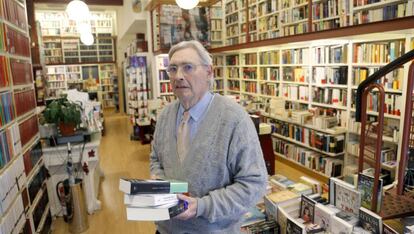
(224, 166)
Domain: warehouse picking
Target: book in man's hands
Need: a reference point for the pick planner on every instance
(137, 186)
(156, 213)
(145, 200)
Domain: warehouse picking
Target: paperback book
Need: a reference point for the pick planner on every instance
(307, 209)
(144, 200)
(138, 186)
(366, 188)
(370, 221)
(157, 213)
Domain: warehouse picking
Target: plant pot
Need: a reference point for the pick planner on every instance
(67, 129)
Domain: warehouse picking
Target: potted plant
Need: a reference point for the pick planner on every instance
(65, 114)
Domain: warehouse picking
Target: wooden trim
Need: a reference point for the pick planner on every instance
(80, 63)
(375, 27)
(89, 2)
(293, 165)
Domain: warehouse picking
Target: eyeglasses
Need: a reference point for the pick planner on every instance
(186, 68)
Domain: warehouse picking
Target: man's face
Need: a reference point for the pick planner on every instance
(190, 78)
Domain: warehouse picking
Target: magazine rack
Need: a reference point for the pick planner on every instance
(395, 203)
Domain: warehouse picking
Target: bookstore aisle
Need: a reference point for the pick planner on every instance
(119, 157)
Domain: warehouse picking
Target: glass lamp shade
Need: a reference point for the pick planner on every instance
(77, 10)
(84, 28)
(187, 4)
(87, 39)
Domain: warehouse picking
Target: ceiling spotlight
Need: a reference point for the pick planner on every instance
(77, 10)
(87, 39)
(187, 4)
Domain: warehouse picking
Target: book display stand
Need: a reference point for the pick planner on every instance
(397, 202)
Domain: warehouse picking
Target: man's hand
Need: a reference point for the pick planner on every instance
(191, 212)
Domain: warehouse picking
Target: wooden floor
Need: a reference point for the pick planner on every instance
(119, 157)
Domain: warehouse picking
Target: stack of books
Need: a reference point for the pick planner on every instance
(153, 200)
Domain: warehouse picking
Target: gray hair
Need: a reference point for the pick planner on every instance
(204, 55)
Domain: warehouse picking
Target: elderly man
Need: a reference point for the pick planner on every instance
(209, 141)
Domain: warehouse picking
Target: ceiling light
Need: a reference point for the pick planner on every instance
(187, 4)
(87, 39)
(77, 10)
(84, 27)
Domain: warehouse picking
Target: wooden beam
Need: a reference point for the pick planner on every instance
(376, 27)
(89, 2)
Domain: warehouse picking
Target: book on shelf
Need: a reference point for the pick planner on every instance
(366, 188)
(139, 186)
(156, 213)
(340, 226)
(370, 221)
(144, 200)
(293, 226)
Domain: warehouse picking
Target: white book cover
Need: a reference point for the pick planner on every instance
(144, 200)
(341, 226)
(323, 216)
(156, 213)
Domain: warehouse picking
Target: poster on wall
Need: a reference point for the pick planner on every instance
(136, 6)
(178, 25)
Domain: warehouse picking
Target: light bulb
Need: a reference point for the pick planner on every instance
(84, 28)
(77, 10)
(187, 4)
(87, 39)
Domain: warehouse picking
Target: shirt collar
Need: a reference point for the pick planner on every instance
(198, 109)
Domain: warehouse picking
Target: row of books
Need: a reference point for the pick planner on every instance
(15, 219)
(28, 129)
(166, 88)
(308, 158)
(270, 57)
(331, 54)
(249, 86)
(267, 7)
(330, 96)
(32, 157)
(297, 74)
(392, 80)
(249, 73)
(4, 72)
(14, 12)
(24, 101)
(249, 59)
(10, 145)
(37, 183)
(269, 73)
(11, 181)
(330, 75)
(331, 8)
(16, 42)
(292, 15)
(295, 92)
(324, 142)
(232, 73)
(392, 106)
(295, 56)
(6, 108)
(388, 12)
(269, 89)
(381, 52)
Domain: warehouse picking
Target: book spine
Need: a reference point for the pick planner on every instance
(178, 209)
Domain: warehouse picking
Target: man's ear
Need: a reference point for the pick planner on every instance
(210, 71)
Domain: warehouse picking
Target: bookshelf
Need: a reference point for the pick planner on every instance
(61, 38)
(18, 127)
(163, 85)
(60, 78)
(320, 77)
(216, 25)
(218, 69)
(137, 69)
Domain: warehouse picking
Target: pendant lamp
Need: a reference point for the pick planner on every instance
(187, 4)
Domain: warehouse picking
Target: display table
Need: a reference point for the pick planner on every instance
(55, 159)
